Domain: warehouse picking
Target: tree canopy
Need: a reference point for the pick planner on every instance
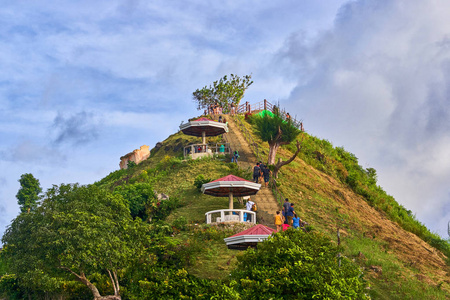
(28, 194)
(223, 92)
(275, 131)
(77, 231)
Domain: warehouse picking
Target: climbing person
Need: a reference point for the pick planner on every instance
(249, 206)
(286, 206)
(256, 173)
(262, 167)
(296, 221)
(278, 221)
(232, 111)
(290, 214)
(235, 156)
(266, 175)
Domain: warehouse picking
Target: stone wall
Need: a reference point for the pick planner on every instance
(137, 156)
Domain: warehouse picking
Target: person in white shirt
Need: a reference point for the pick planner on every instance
(249, 206)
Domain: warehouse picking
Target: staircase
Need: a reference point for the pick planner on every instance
(264, 199)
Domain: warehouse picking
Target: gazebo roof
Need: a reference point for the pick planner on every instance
(248, 237)
(238, 186)
(256, 230)
(209, 127)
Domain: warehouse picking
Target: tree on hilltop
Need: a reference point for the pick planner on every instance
(224, 92)
(28, 194)
(77, 232)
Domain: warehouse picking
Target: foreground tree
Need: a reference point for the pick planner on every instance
(277, 132)
(297, 265)
(77, 231)
(28, 194)
(224, 92)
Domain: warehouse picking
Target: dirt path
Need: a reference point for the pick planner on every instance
(264, 199)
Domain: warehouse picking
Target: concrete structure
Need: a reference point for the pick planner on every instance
(219, 216)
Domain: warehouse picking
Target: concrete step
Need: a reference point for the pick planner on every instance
(264, 199)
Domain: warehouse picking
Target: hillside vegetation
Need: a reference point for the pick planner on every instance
(387, 253)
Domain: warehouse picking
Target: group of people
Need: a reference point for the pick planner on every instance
(288, 217)
(260, 173)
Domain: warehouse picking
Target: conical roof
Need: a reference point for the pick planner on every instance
(209, 127)
(249, 237)
(238, 186)
(256, 230)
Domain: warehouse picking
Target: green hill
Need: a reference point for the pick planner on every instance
(398, 257)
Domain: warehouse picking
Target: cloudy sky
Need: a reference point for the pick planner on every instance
(83, 83)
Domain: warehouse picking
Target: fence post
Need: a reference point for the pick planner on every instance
(265, 104)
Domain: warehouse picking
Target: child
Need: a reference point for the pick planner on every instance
(296, 221)
(278, 221)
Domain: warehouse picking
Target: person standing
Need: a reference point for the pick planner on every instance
(286, 206)
(266, 175)
(256, 173)
(296, 221)
(249, 206)
(278, 221)
(235, 156)
(290, 214)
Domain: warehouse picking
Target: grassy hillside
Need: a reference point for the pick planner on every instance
(399, 258)
(397, 263)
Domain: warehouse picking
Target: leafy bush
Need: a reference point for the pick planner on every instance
(139, 196)
(297, 265)
(200, 180)
(180, 223)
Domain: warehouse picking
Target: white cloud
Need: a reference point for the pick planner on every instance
(378, 83)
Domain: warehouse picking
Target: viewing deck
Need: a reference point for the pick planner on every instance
(200, 150)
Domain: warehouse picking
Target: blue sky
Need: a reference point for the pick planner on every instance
(83, 83)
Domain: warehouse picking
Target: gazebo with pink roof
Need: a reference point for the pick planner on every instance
(203, 127)
(230, 186)
(249, 237)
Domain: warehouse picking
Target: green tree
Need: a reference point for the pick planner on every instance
(224, 92)
(297, 265)
(28, 194)
(140, 197)
(78, 231)
(277, 132)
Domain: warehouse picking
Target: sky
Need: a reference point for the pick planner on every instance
(83, 83)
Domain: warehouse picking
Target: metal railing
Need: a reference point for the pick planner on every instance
(247, 108)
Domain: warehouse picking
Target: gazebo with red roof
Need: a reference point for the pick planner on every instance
(249, 237)
(204, 127)
(230, 186)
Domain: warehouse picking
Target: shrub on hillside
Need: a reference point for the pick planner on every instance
(297, 265)
(200, 180)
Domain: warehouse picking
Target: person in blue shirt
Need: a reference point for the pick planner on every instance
(290, 214)
(296, 221)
